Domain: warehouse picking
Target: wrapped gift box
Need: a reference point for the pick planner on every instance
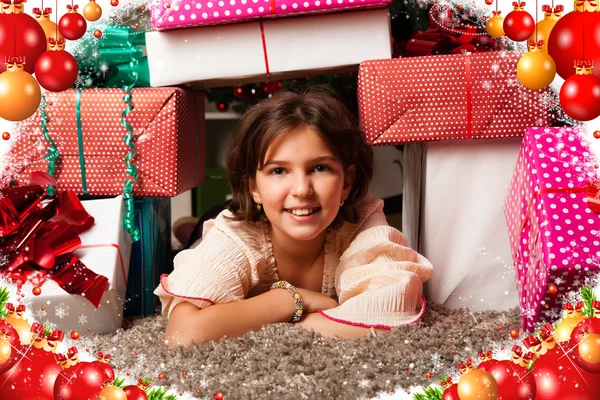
(273, 49)
(168, 127)
(447, 97)
(105, 249)
(188, 13)
(150, 256)
(554, 235)
(452, 212)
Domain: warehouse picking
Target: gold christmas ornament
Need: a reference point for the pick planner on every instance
(536, 69)
(563, 330)
(49, 27)
(92, 11)
(544, 27)
(495, 25)
(20, 97)
(15, 314)
(589, 349)
(477, 385)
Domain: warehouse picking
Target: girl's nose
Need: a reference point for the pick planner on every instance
(302, 187)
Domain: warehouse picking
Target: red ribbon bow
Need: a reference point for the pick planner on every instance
(592, 191)
(12, 60)
(517, 350)
(469, 363)
(59, 357)
(38, 329)
(579, 306)
(39, 240)
(461, 366)
(531, 341)
(56, 336)
(546, 330)
(72, 351)
(518, 4)
(530, 356)
(72, 8)
(533, 43)
(596, 304)
(569, 307)
(496, 12)
(583, 63)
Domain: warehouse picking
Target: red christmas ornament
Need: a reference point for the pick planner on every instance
(10, 346)
(428, 375)
(557, 377)
(137, 392)
(115, 3)
(56, 70)
(574, 36)
(102, 364)
(34, 374)
(20, 35)
(514, 333)
(518, 24)
(5, 135)
(582, 332)
(222, 106)
(75, 335)
(80, 381)
(219, 396)
(72, 25)
(596, 134)
(161, 376)
(552, 289)
(580, 94)
(514, 381)
(451, 393)
(97, 33)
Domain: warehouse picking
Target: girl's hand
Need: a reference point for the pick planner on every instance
(314, 301)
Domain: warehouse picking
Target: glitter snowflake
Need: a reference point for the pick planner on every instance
(82, 319)
(528, 312)
(364, 383)
(62, 310)
(552, 313)
(437, 361)
(41, 314)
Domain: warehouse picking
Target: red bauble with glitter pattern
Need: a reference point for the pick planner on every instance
(514, 381)
(451, 393)
(56, 70)
(9, 337)
(518, 25)
(557, 377)
(72, 25)
(21, 35)
(32, 377)
(580, 97)
(583, 330)
(82, 381)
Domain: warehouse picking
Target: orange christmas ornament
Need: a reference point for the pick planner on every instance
(111, 392)
(477, 385)
(20, 94)
(49, 27)
(544, 27)
(536, 69)
(92, 11)
(16, 320)
(563, 330)
(495, 25)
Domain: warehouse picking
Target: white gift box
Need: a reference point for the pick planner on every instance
(455, 218)
(106, 250)
(271, 49)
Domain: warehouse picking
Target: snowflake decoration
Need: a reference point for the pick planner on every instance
(528, 312)
(552, 313)
(82, 319)
(364, 383)
(41, 314)
(558, 281)
(62, 310)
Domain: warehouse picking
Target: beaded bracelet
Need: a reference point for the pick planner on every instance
(295, 294)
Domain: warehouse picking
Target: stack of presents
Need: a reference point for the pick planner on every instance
(481, 155)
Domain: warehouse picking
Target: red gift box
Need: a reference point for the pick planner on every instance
(168, 128)
(461, 96)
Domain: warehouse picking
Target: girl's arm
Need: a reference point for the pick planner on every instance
(318, 323)
(188, 323)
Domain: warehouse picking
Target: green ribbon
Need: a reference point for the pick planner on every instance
(80, 141)
(52, 150)
(117, 47)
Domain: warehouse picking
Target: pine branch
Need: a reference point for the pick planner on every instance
(119, 382)
(156, 393)
(430, 393)
(4, 297)
(171, 397)
(588, 296)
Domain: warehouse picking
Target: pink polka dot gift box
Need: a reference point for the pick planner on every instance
(441, 97)
(173, 14)
(554, 234)
(168, 129)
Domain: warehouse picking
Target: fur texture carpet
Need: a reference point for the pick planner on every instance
(285, 362)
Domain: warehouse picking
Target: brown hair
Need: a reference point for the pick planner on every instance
(317, 108)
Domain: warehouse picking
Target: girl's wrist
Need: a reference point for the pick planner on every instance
(295, 295)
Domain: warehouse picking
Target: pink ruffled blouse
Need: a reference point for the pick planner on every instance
(376, 278)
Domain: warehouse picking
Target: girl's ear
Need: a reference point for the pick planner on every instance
(349, 177)
(254, 191)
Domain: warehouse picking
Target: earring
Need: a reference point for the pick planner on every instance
(341, 203)
(258, 206)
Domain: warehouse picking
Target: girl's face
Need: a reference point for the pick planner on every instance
(301, 184)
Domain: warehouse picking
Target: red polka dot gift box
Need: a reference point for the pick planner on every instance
(441, 97)
(169, 14)
(553, 221)
(89, 136)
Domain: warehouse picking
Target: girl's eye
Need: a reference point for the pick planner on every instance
(322, 168)
(276, 171)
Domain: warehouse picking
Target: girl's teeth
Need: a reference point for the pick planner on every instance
(302, 212)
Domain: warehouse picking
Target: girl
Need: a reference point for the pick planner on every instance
(301, 240)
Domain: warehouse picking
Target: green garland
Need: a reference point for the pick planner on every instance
(433, 392)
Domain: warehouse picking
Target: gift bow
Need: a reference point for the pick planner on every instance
(593, 195)
(56, 336)
(72, 9)
(580, 5)
(579, 306)
(531, 341)
(103, 357)
(19, 310)
(496, 13)
(13, 6)
(546, 330)
(14, 62)
(485, 356)
(518, 6)
(549, 11)
(517, 350)
(530, 356)
(39, 13)
(38, 329)
(446, 383)
(41, 245)
(596, 305)
(54, 44)
(532, 44)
